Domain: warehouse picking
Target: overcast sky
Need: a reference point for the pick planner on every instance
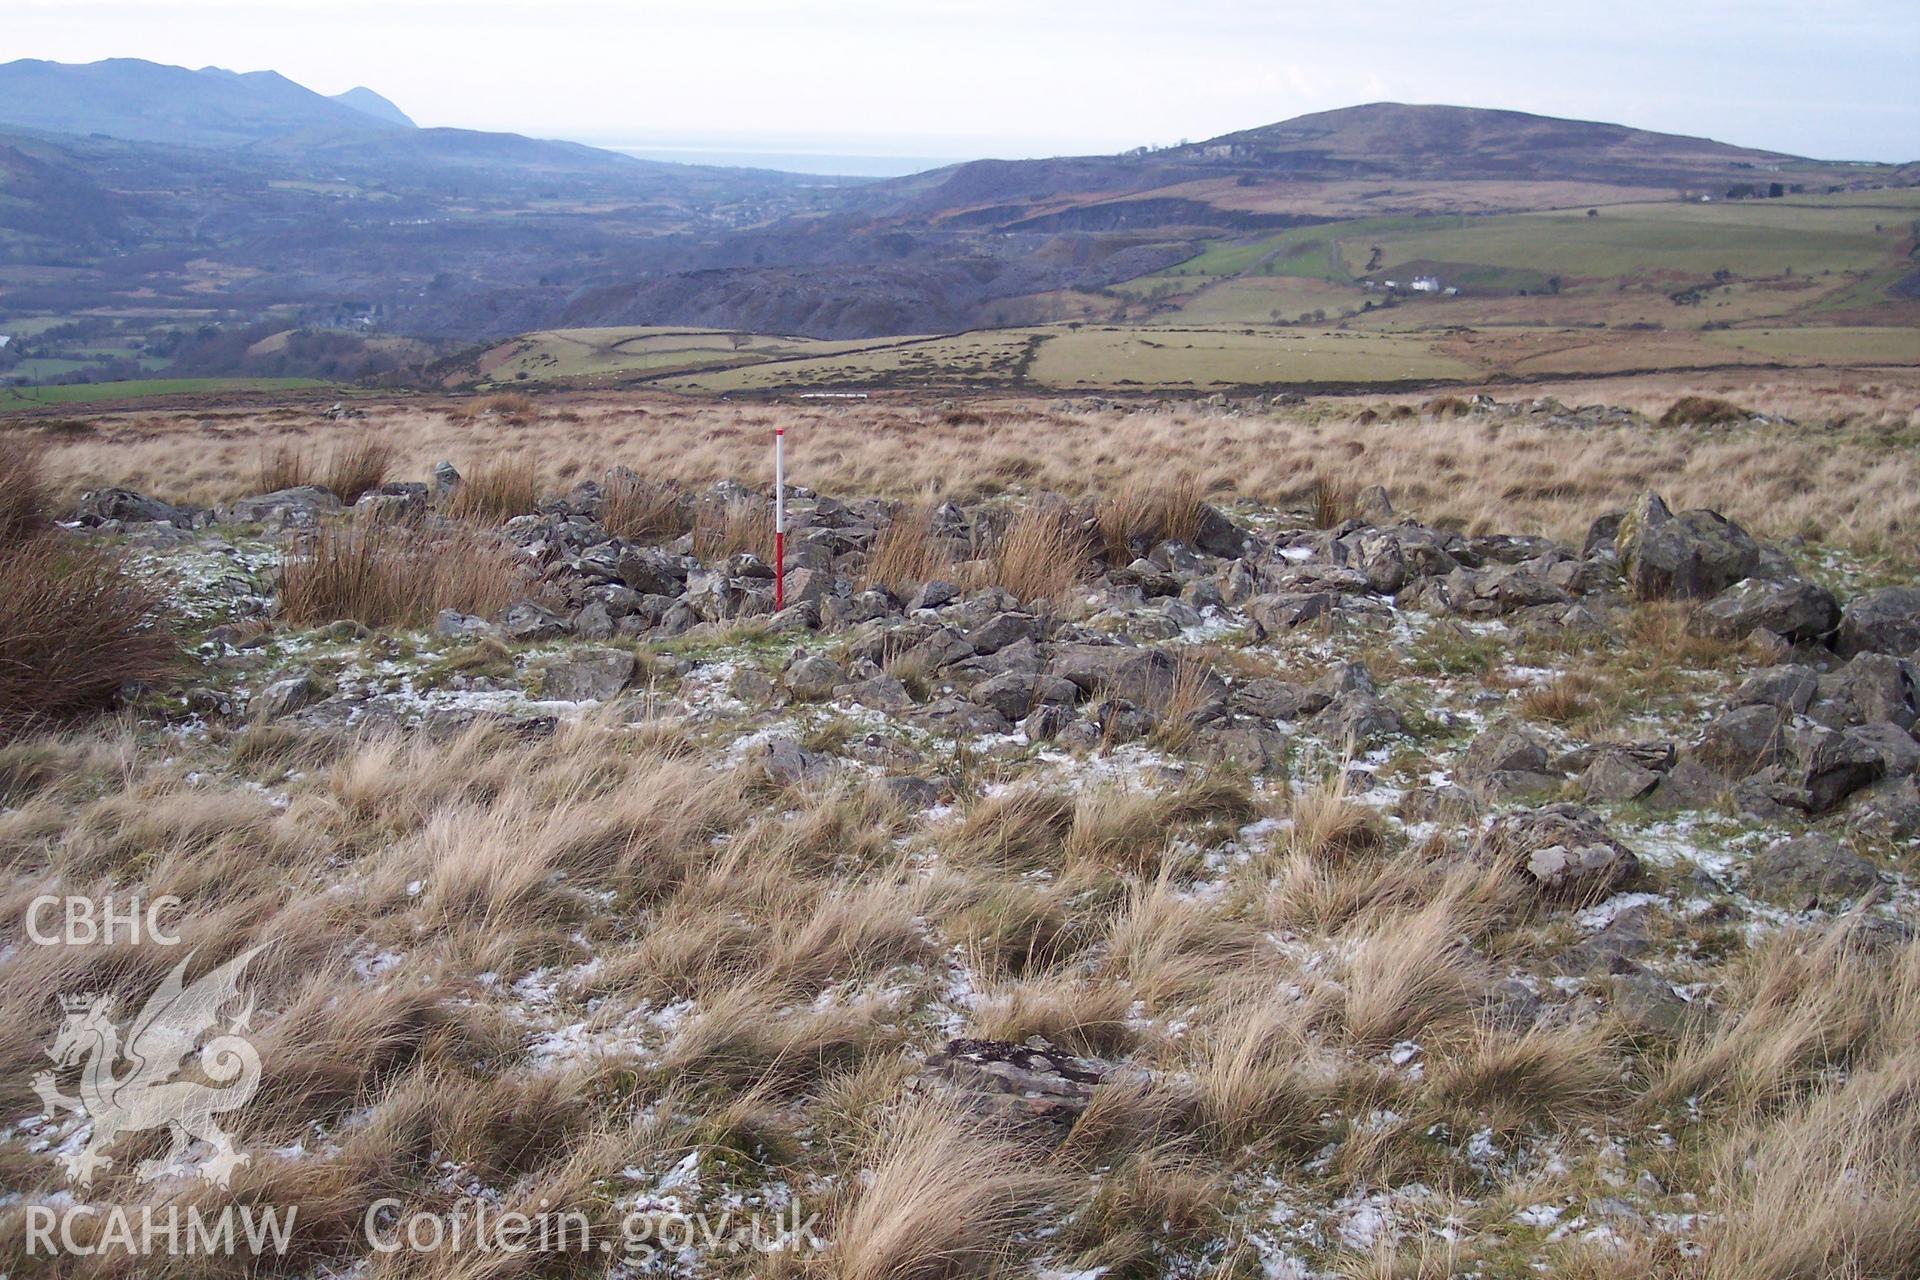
(953, 78)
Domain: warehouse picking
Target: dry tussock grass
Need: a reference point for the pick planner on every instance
(633, 507)
(283, 465)
(1852, 484)
(1043, 552)
(358, 466)
(496, 490)
(384, 575)
(1145, 510)
(906, 553)
(76, 626)
(739, 525)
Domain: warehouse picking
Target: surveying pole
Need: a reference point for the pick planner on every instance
(779, 518)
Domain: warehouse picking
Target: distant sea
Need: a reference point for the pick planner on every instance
(854, 165)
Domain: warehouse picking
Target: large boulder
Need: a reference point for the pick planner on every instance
(98, 506)
(588, 675)
(297, 508)
(1742, 741)
(1813, 870)
(284, 697)
(1883, 621)
(1792, 608)
(1565, 851)
(1693, 555)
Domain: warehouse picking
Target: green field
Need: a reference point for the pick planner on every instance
(1747, 238)
(94, 392)
(583, 354)
(1117, 357)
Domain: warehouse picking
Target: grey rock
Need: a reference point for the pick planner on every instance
(1813, 870)
(1742, 741)
(1614, 776)
(1792, 608)
(445, 479)
(1883, 621)
(813, 678)
(1564, 850)
(587, 675)
(1014, 694)
(526, 622)
(1693, 555)
(285, 697)
(296, 508)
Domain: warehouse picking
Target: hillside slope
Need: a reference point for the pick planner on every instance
(148, 102)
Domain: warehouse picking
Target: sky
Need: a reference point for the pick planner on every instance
(906, 81)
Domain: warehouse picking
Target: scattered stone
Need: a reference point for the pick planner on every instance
(1741, 741)
(813, 678)
(1566, 851)
(1793, 609)
(1883, 621)
(284, 697)
(1693, 555)
(527, 622)
(586, 675)
(785, 764)
(1032, 1086)
(1814, 870)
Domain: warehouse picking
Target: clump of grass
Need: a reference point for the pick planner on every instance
(360, 466)
(1191, 690)
(1043, 552)
(496, 491)
(75, 627)
(1329, 502)
(945, 1198)
(1702, 411)
(743, 524)
(1563, 700)
(386, 576)
(631, 507)
(906, 553)
(282, 466)
(507, 404)
(24, 498)
(1149, 510)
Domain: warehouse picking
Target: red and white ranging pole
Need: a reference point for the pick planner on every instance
(779, 518)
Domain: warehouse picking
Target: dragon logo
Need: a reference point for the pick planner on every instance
(146, 1094)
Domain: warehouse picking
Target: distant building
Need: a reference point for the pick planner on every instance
(1425, 284)
(5, 338)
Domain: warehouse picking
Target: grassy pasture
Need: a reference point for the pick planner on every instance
(1752, 238)
(1110, 357)
(95, 392)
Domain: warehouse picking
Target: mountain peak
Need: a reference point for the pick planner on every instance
(142, 101)
(365, 100)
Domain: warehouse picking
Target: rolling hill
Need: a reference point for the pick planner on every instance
(160, 218)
